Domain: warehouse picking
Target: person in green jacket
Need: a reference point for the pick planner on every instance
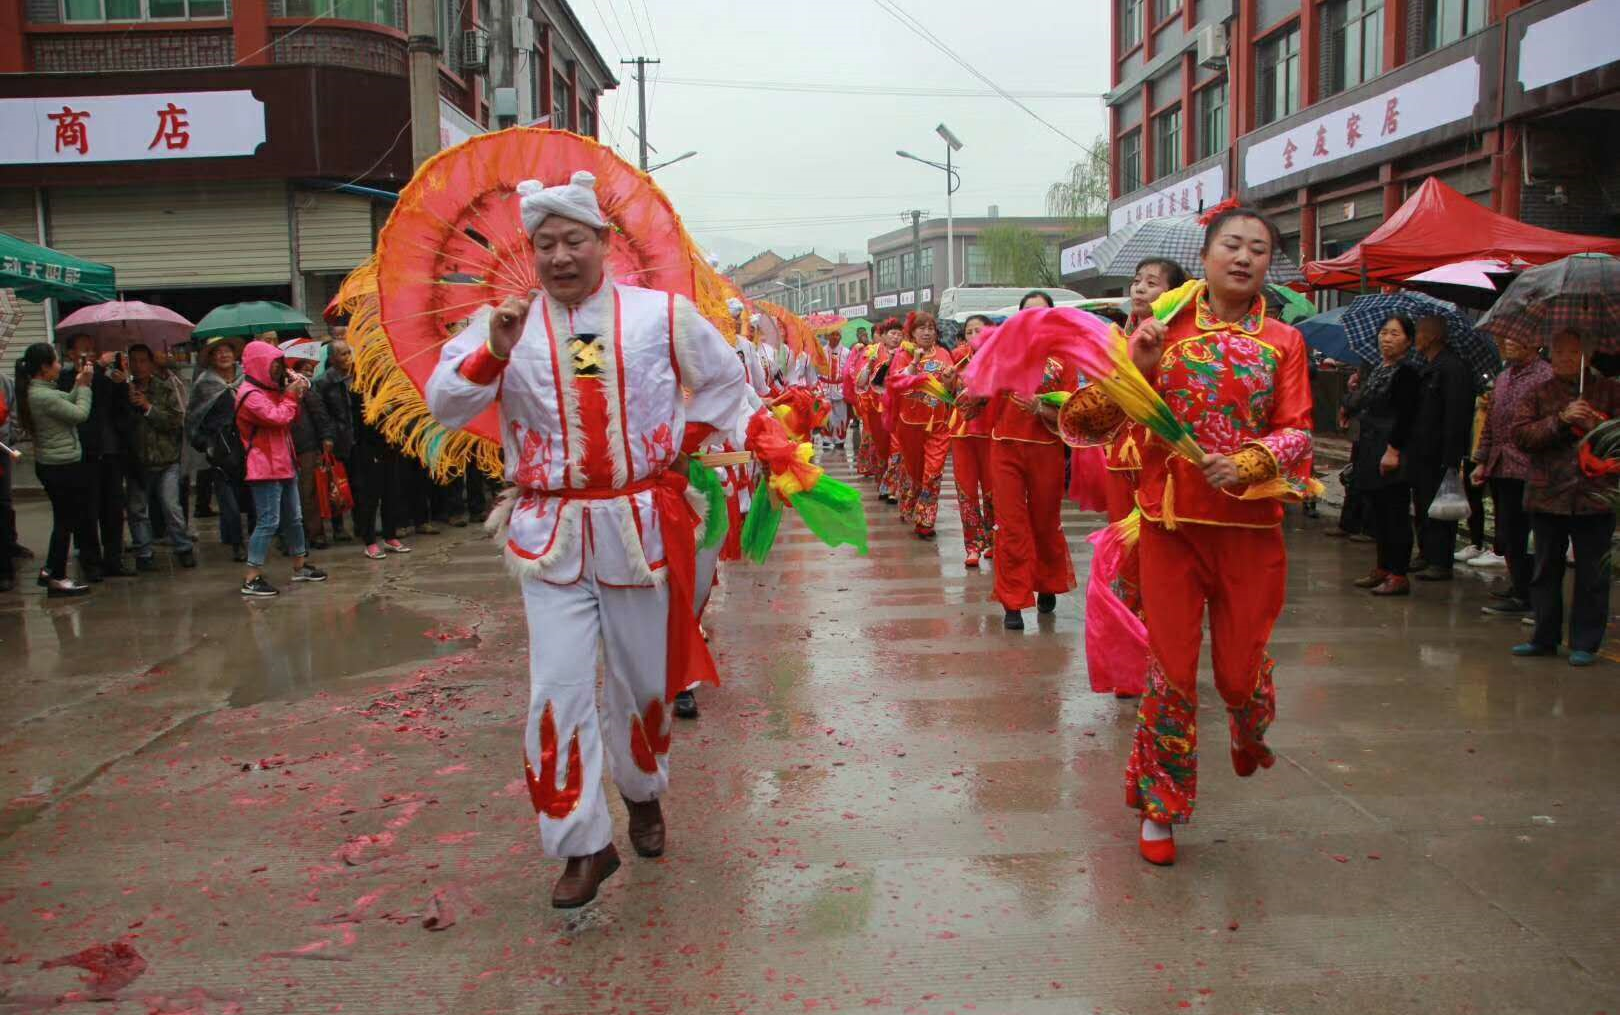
(160, 419)
(53, 417)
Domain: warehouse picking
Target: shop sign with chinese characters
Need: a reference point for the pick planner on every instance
(1433, 100)
(1078, 258)
(1204, 189)
(130, 128)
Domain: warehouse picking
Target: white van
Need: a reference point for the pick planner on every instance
(963, 302)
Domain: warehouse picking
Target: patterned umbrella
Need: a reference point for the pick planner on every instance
(1366, 314)
(1180, 239)
(1579, 293)
(121, 324)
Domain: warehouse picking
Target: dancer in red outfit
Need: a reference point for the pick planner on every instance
(869, 384)
(1026, 468)
(970, 462)
(1154, 277)
(924, 421)
(1211, 532)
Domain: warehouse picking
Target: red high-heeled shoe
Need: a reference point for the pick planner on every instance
(1159, 852)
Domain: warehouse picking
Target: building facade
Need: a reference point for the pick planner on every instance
(216, 151)
(897, 285)
(1327, 114)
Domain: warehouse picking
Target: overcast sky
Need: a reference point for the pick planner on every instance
(798, 169)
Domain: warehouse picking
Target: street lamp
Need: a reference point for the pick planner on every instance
(671, 162)
(953, 183)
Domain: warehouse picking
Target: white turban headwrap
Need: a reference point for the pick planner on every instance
(575, 200)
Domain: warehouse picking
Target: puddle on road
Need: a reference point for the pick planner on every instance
(285, 655)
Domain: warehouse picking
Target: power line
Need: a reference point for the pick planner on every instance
(921, 31)
(893, 90)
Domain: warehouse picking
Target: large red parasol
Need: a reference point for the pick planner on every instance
(455, 242)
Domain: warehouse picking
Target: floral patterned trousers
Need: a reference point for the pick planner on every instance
(1239, 574)
(923, 450)
(970, 466)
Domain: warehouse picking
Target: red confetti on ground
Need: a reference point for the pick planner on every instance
(111, 967)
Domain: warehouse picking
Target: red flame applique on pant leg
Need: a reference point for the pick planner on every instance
(548, 799)
(648, 739)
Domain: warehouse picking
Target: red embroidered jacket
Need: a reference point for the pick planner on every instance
(1245, 390)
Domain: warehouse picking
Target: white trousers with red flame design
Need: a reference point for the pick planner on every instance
(567, 732)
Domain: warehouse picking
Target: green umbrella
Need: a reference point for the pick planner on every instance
(850, 327)
(256, 317)
(1291, 306)
(40, 273)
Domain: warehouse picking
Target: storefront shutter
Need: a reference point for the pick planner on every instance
(17, 218)
(184, 236)
(334, 231)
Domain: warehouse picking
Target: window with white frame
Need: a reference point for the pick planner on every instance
(888, 273)
(146, 10)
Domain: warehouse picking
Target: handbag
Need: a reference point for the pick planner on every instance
(1450, 504)
(332, 491)
(226, 451)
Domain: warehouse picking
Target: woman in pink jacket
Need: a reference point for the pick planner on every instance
(266, 404)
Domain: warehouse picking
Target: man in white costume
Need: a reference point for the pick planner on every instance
(832, 384)
(588, 375)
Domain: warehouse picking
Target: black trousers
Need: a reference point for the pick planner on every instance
(71, 491)
(1513, 534)
(1589, 609)
(369, 480)
(1476, 508)
(107, 475)
(8, 520)
(1437, 541)
(1392, 527)
(1356, 516)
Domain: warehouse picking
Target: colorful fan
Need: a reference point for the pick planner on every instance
(455, 244)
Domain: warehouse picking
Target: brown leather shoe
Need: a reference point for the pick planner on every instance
(582, 877)
(1394, 585)
(1376, 578)
(646, 827)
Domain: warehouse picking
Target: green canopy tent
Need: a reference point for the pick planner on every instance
(255, 317)
(39, 273)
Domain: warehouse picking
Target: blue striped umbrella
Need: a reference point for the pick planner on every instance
(1325, 334)
(1366, 314)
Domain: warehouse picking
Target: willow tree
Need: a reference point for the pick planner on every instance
(1082, 195)
(1019, 256)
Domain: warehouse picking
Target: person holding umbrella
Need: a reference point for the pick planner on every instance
(1385, 405)
(1568, 507)
(104, 436)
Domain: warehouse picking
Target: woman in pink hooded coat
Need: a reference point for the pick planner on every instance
(266, 404)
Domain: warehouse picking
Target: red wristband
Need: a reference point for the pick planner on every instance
(483, 366)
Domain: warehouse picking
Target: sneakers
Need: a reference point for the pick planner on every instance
(395, 546)
(1489, 558)
(1579, 658)
(309, 573)
(1045, 602)
(258, 588)
(1530, 649)
(375, 552)
(1468, 553)
(1013, 620)
(686, 706)
(1507, 608)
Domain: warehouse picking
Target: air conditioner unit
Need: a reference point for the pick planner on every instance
(1212, 46)
(474, 50)
(522, 32)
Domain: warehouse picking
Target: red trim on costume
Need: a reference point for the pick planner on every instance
(543, 792)
(618, 357)
(482, 366)
(674, 360)
(556, 379)
(696, 434)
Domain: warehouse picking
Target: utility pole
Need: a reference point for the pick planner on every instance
(424, 50)
(641, 63)
(916, 258)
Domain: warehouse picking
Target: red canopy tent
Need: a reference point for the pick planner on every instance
(1437, 226)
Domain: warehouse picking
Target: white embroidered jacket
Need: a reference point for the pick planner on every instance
(652, 344)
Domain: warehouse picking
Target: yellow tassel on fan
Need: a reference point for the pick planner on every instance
(1167, 509)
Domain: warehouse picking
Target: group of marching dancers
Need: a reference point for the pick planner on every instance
(1184, 535)
(606, 391)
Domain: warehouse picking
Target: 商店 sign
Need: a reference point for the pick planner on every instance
(1433, 100)
(1203, 190)
(130, 128)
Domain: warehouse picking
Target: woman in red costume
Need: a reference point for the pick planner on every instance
(869, 383)
(970, 461)
(1026, 469)
(924, 421)
(1211, 533)
(1154, 277)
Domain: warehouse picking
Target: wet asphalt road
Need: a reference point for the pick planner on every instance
(316, 804)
